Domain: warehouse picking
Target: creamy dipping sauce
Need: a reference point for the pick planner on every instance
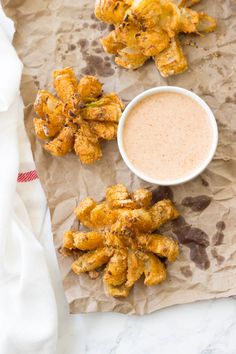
(167, 135)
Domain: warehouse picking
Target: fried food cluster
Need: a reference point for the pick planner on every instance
(123, 237)
(78, 118)
(149, 29)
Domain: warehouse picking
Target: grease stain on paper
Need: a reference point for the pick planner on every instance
(162, 192)
(231, 99)
(204, 182)
(186, 271)
(36, 82)
(220, 259)
(100, 26)
(94, 43)
(71, 47)
(198, 203)
(95, 65)
(195, 239)
(218, 237)
(83, 43)
(98, 50)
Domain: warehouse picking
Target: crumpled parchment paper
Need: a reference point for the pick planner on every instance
(51, 34)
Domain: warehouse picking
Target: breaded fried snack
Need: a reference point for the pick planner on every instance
(122, 239)
(79, 118)
(145, 29)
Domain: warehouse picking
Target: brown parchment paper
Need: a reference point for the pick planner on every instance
(52, 34)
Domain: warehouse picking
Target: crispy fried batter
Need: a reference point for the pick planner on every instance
(69, 240)
(45, 130)
(137, 220)
(85, 241)
(108, 99)
(66, 86)
(63, 143)
(83, 211)
(65, 83)
(169, 18)
(111, 11)
(161, 245)
(130, 221)
(106, 131)
(188, 3)
(150, 28)
(118, 291)
(188, 21)
(92, 260)
(153, 42)
(122, 239)
(102, 217)
(87, 132)
(128, 32)
(162, 212)
(116, 269)
(50, 110)
(155, 272)
(142, 198)
(111, 43)
(172, 60)
(136, 266)
(87, 151)
(114, 240)
(118, 197)
(48, 106)
(147, 43)
(206, 23)
(130, 58)
(147, 12)
(89, 88)
(86, 145)
(120, 218)
(79, 119)
(109, 113)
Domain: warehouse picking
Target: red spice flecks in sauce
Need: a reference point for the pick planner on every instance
(167, 136)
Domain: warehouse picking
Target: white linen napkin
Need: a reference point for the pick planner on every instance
(28, 314)
(10, 72)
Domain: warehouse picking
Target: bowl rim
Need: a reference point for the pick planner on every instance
(161, 89)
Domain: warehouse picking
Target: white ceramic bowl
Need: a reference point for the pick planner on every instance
(187, 93)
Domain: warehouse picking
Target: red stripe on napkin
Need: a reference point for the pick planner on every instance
(27, 176)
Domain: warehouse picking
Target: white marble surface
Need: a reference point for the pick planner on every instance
(204, 328)
(207, 327)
